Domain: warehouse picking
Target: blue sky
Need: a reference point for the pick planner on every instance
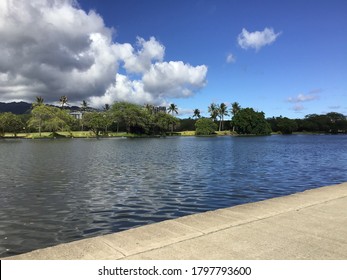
(286, 58)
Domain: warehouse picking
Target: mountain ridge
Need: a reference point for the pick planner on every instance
(22, 107)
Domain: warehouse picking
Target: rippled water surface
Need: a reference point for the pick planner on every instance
(55, 191)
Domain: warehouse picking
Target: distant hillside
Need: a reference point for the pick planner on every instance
(15, 107)
(19, 108)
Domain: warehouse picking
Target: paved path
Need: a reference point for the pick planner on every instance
(307, 225)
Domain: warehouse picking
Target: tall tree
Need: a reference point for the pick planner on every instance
(84, 105)
(63, 101)
(235, 108)
(222, 112)
(38, 116)
(38, 102)
(149, 108)
(197, 114)
(106, 107)
(173, 109)
(213, 110)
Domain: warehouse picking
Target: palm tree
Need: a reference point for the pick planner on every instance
(222, 111)
(106, 107)
(63, 101)
(213, 110)
(149, 108)
(84, 106)
(235, 108)
(173, 109)
(39, 101)
(197, 114)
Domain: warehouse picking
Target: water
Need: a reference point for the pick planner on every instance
(55, 191)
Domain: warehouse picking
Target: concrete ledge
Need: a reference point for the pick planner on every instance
(307, 225)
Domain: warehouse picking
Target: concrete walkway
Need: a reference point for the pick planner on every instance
(307, 225)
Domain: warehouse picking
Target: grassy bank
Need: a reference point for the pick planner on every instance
(90, 134)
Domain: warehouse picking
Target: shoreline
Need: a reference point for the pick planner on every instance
(89, 135)
(306, 225)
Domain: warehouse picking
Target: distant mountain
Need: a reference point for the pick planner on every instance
(15, 107)
(19, 108)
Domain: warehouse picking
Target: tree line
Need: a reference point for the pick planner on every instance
(244, 120)
(151, 120)
(325, 123)
(248, 121)
(120, 116)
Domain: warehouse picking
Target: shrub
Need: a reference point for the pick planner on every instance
(205, 126)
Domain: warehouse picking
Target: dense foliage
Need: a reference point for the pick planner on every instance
(247, 121)
(283, 125)
(205, 126)
(49, 118)
(10, 123)
(151, 120)
(328, 123)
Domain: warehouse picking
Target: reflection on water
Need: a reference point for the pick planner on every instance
(55, 191)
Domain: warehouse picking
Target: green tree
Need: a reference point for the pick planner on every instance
(162, 122)
(38, 102)
(338, 122)
(149, 108)
(63, 101)
(196, 114)
(235, 108)
(10, 123)
(134, 117)
(106, 107)
(84, 106)
(50, 118)
(173, 109)
(222, 112)
(247, 121)
(286, 126)
(213, 110)
(205, 126)
(97, 122)
(321, 123)
(39, 115)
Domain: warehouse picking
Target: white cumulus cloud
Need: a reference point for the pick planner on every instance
(51, 48)
(174, 79)
(256, 39)
(140, 60)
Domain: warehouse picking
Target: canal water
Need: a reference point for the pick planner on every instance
(56, 191)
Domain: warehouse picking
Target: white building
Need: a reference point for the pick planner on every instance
(77, 115)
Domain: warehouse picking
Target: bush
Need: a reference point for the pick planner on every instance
(205, 126)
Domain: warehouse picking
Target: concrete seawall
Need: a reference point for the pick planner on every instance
(307, 225)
